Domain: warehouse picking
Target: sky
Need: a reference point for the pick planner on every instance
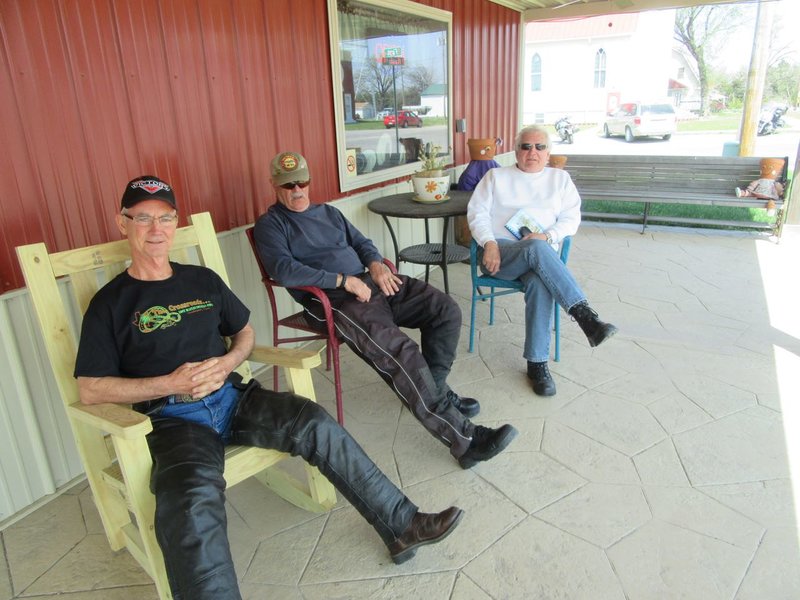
(786, 16)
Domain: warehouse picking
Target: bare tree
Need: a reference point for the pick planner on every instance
(374, 82)
(701, 30)
(418, 78)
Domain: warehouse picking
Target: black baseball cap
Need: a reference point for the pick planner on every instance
(147, 187)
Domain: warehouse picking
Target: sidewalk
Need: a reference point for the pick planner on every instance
(664, 467)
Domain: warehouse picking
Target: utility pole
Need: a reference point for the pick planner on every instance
(756, 77)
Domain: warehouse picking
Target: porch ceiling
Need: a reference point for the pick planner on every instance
(544, 10)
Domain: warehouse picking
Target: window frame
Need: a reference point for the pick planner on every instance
(600, 68)
(347, 181)
(536, 75)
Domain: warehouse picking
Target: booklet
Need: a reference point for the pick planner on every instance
(522, 219)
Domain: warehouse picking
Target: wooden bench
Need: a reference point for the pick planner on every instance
(698, 180)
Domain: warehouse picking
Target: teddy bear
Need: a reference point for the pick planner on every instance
(766, 187)
(481, 153)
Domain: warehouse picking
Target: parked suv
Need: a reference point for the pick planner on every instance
(404, 119)
(636, 119)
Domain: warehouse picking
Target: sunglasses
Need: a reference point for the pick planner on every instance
(526, 146)
(291, 184)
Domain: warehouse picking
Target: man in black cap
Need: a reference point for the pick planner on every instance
(139, 346)
(304, 244)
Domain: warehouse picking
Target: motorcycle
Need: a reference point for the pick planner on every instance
(565, 129)
(771, 118)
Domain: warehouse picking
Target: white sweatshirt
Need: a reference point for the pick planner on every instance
(548, 196)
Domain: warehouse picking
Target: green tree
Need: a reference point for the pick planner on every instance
(783, 81)
(730, 85)
(702, 30)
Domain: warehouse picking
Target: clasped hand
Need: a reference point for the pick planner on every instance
(199, 378)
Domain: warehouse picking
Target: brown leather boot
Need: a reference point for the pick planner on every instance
(425, 528)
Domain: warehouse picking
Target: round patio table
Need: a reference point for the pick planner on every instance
(430, 253)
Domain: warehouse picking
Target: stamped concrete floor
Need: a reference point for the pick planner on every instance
(660, 469)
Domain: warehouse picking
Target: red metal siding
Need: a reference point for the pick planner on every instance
(200, 92)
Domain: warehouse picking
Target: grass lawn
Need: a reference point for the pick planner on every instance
(732, 213)
(727, 120)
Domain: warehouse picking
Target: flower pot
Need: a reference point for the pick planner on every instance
(771, 168)
(482, 148)
(431, 189)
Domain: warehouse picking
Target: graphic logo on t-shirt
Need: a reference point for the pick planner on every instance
(160, 317)
(154, 318)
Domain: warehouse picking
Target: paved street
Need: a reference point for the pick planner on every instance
(591, 141)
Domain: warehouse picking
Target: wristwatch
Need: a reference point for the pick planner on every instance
(549, 237)
(344, 280)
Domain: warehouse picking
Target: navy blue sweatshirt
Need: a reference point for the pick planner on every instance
(311, 247)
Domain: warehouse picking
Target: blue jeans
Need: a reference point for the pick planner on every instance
(539, 267)
(215, 410)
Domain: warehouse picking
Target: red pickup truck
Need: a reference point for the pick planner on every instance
(404, 119)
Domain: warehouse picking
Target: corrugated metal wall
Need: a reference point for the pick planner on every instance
(202, 93)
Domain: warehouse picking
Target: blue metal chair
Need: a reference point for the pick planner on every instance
(505, 287)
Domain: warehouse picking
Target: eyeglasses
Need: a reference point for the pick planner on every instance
(526, 146)
(143, 220)
(291, 184)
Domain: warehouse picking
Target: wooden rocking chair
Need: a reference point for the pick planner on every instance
(111, 437)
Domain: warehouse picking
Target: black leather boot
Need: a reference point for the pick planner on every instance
(539, 374)
(469, 407)
(487, 443)
(596, 330)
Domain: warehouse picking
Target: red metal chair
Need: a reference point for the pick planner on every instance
(300, 322)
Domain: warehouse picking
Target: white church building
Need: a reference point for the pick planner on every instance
(583, 68)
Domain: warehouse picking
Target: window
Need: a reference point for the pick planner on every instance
(600, 69)
(393, 55)
(536, 73)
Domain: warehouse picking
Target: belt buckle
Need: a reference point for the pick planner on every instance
(183, 398)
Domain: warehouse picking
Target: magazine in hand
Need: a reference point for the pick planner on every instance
(522, 219)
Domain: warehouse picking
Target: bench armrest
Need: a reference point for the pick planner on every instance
(285, 357)
(117, 419)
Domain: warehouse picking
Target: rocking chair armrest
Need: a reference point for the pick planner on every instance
(116, 419)
(292, 358)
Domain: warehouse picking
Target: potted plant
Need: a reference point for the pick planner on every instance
(430, 185)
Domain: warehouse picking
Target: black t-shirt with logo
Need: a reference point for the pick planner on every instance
(136, 328)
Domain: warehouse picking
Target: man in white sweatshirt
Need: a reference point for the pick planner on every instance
(546, 200)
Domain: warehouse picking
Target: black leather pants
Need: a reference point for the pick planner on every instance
(190, 521)
(416, 373)
(188, 461)
(301, 427)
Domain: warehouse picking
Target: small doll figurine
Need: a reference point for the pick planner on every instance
(766, 187)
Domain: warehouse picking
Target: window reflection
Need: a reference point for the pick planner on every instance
(391, 86)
